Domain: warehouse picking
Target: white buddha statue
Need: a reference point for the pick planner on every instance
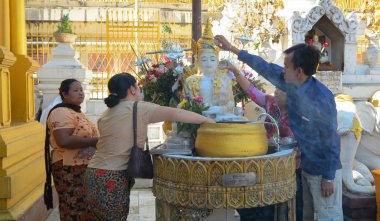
(210, 83)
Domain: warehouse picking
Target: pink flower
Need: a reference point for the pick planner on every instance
(198, 99)
(161, 70)
(310, 41)
(325, 45)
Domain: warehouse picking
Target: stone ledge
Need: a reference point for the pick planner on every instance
(361, 79)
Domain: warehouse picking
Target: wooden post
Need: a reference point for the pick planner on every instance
(197, 20)
(196, 28)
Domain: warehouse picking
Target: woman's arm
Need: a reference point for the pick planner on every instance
(65, 139)
(174, 114)
(255, 94)
(272, 72)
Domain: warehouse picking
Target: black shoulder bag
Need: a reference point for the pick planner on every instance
(48, 192)
(140, 163)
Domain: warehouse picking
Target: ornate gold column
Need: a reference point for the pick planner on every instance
(6, 60)
(21, 138)
(22, 91)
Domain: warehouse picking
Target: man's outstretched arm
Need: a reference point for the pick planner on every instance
(272, 72)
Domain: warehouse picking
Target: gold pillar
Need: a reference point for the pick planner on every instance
(4, 24)
(6, 60)
(21, 138)
(18, 31)
(22, 90)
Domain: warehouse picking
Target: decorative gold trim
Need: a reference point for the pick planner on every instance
(194, 183)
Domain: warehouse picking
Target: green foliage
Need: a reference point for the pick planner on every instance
(163, 88)
(196, 105)
(256, 45)
(64, 25)
(158, 83)
(166, 28)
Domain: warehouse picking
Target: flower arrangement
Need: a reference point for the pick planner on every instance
(239, 94)
(162, 85)
(323, 50)
(195, 105)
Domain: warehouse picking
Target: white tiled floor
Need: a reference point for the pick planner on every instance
(142, 207)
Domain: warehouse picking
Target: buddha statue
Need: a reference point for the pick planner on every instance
(210, 83)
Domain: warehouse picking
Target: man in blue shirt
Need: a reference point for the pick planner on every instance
(313, 120)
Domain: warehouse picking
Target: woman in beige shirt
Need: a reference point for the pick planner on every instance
(107, 183)
(73, 138)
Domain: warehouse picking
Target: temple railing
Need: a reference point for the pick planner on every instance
(105, 2)
(105, 46)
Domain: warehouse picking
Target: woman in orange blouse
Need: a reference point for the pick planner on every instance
(73, 138)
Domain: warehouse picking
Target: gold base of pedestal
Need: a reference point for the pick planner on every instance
(196, 182)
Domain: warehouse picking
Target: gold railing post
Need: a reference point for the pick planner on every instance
(137, 26)
(108, 54)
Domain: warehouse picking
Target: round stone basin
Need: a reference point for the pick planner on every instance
(231, 140)
(197, 182)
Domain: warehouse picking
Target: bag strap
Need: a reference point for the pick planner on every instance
(135, 127)
(146, 143)
(135, 123)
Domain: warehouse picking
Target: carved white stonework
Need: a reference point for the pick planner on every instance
(332, 80)
(63, 64)
(359, 81)
(300, 25)
(372, 55)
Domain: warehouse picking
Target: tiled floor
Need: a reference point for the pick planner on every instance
(142, 207)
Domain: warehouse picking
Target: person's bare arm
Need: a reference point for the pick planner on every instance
(243, 82)
(65, 139)
(175, 114)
